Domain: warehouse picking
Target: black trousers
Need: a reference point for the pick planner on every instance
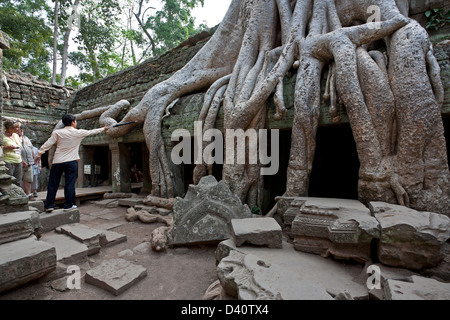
(70, 170)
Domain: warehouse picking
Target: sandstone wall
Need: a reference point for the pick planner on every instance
(38, 102)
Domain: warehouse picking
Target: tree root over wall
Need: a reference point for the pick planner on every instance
(383, 73)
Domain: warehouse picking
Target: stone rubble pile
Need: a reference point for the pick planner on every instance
(401, 254)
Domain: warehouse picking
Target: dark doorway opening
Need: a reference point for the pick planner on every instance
(136, 162)
(275, 186)
(336, 165)
(101, 160)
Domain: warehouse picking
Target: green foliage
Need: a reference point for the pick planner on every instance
(105, 42)
(437, 18)
(256, 210)
(172, 24)
(30, 37)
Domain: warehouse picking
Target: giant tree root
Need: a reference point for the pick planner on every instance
(383, 73)
(159, 235)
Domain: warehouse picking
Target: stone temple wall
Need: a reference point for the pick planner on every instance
(37, 102)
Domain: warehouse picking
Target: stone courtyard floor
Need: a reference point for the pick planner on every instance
(178, 274)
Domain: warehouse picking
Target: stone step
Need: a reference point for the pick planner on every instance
(112, 238)
(51, 220)
(25, 260)
(18, 225)
(257, 231)
(68, 250)
(93, 238)
(89, 236)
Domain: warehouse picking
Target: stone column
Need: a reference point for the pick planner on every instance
(12, 197)
(86, 158)
(120, 167)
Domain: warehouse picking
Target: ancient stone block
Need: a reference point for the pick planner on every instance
(111, 238)
(341, 228)
(410, 238)
(91, 237)
(251, 273)
(115, 276)
(39, 205)
(204, 215)
(50, 221)
(18, 225)
(68, 250)
(257, 231)
(419, 288)
(130, 202)
(25, 260)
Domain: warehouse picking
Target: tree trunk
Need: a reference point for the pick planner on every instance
(65, 53)
(55, 43)
(394, 110)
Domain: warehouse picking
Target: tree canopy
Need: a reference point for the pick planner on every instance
(108, 35)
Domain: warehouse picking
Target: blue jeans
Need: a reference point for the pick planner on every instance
(70, 170)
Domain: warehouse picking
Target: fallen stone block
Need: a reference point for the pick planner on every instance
(119, 195)
(204, 215)
(115, 276)
(251, 273)
(419, 288)
(257, 231)
(39, 205)
(51, 220)
(111, 238)
(340, 228)
(68, 250)
(91, 237)
(159, 202)
(409, 238)
(130, 202)
(19, 225)
(25, 260)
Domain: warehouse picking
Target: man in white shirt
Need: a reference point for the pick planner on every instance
(65, 160)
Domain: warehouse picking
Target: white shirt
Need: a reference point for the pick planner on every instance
(67, 142)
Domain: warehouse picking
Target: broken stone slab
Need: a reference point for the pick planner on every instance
(111, 238)
(143, 248)
(68, 250)
(19, 225)
(91, 237)
(119, 195)
(39, 205)
(418, 288)
(283, 205)
(204, 215)
(153, 209)
(130, 202)
(257, 231)
(340, 228)
(25, 260)
(254, 279)
(159, 202)
(107, 203)
(285, 274)
(409, 238)
(116, 275)
(50, 221)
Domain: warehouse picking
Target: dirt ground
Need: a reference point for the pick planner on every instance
(182, 273)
